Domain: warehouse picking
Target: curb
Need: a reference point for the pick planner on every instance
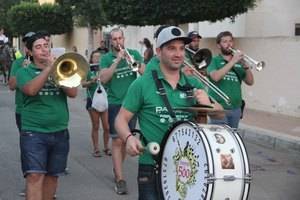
(270, 139)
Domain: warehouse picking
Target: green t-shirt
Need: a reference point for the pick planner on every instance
(152, 64)
(143, 100)
(16, 65)
(229, 84)
(123, 76)
(93, 72)
(48, 110)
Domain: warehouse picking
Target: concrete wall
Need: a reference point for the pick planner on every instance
(270, 18)
(277, 87)
(273, 18)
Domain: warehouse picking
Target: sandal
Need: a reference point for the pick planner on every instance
(97, 153)
(107, 152)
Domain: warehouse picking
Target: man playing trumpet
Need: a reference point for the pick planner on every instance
(117, 75)
(227, 71)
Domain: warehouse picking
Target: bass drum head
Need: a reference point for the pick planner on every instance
(185, 162)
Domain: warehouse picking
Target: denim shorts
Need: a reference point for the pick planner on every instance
(148, 183)
(113, 110)
(44, 153)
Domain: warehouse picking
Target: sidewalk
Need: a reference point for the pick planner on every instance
(270, 129)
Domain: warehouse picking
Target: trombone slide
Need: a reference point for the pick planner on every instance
(209, 84)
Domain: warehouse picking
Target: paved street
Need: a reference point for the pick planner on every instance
(276, 175)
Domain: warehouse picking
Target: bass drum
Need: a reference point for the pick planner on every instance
(200, 161)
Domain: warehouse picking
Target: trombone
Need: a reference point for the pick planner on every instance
(69, 70)
(130, 60)
(206, 55)
(209, 84)
(201, 58)
(259, 65)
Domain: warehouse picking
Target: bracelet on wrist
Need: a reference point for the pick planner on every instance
(128, 136)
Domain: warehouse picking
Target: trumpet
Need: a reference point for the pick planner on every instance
(130, 60)
(258, 65)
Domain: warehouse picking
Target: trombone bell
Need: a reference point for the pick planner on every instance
(201, 58)
(69, 70)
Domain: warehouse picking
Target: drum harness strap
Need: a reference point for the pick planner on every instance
(162, 92)
(188, 89)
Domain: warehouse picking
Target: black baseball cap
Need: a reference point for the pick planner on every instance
(30, 40)
(193, 34)
(27, 35)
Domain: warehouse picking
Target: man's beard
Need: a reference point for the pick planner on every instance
(226, 52)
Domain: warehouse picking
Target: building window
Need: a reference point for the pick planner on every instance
(297, 29)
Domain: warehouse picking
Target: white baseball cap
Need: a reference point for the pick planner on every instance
(171, 33)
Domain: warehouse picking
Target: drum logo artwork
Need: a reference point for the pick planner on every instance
(186, 168)
(184, 165)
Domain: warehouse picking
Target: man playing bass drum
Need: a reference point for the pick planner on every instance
(147, 103)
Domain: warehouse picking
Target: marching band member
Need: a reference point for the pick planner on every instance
(17, 64)
(227, 72)
(190, 51)
(12, 83)
(44, 137)
(193, 45)
(117, 76)
(154, 61)
(154, 109)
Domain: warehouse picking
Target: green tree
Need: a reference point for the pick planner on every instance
(86, 13)
(154, 12)
(4, 8)
(26, 17)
